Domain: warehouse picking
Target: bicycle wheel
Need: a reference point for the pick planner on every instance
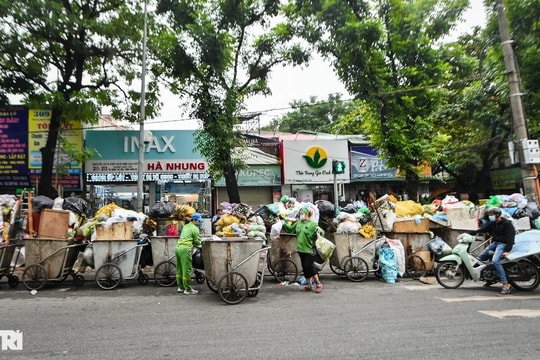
(285, 270)
(356, 269)
(165, 273)
(336, 270)
(415, 267)
(34, 277)
(233, 288)
(108, 276)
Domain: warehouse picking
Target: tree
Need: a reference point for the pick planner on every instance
(216, 54)
(387, 54)
(312, 115)
(72, 57)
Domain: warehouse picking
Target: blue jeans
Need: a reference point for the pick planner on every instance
(498, 248)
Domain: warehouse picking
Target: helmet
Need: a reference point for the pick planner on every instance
(305, 210)
(494, 211)
(196, 216)
(284, 199)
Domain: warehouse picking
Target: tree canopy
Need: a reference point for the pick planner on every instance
(73, 57)
(215, 54)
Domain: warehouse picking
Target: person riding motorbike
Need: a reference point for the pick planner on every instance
(503, 234)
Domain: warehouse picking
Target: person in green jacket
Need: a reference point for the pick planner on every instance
(190, 236)
(306, 234)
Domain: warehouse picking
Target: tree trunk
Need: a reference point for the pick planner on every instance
(232, 184)
(46, 187)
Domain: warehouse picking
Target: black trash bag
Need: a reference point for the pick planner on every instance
(162, 210)
(197, 259)
(326, 208)
(75, 204)
(41, 202)
(146, 256)
(349, 208)
(520, 213)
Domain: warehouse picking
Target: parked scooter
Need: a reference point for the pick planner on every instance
(453, 269)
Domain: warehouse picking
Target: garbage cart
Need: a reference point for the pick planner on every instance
(9, 254)
(354, 256)
(283, 261)
(50, 260)
(235, 266)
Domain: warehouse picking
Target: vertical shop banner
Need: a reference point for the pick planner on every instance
(38, 131)
(13, 147)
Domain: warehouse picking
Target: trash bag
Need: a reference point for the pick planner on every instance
(162, 209)
(197, 258)
(75, 204)
(40, 202)
(349, 208)
(326, 208)
(388, 263)
(439, 247)
(325, 248)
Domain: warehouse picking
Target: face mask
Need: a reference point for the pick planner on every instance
(303, 217)
(492, 218)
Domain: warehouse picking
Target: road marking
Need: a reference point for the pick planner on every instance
(528, 313)
(488, 298)
(418, 287)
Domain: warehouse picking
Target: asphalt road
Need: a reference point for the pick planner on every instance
(348, 320)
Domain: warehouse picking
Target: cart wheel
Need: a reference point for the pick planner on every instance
(142, 278)
(285, 270)
(256, 285)
(13, 281)
(165, 273)
(78, 280)
(355, 268)
(269, 263)
(108, 276)
(199, 277)
(336, 270)
(34, 277)
(415, 267)
(233, 288)
(211, 285)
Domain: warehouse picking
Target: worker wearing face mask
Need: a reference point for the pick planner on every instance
(189, 237)
(306, 234)
(503, 234)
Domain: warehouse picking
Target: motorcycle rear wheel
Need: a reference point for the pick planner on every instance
(449, 274)
(530, 274)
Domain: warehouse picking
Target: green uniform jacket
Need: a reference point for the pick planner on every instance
(190, 235)
(304, 231)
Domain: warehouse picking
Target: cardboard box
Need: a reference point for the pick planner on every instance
(463, 218)
(115, 231)
(53, 224)
(411, 226)
(522, 224)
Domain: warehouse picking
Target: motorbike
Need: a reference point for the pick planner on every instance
(453, 269)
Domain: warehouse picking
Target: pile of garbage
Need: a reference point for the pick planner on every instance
(239, 220)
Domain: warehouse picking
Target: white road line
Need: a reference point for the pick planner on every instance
(528, 313)
(489, 298)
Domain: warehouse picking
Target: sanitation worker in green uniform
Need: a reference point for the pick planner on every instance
(190, 236)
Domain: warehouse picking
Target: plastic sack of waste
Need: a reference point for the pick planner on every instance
(388, 262)
(75, 204)
(41, 202)
(439, 247)
(325, 247)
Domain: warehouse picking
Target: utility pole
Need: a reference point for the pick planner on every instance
(142, 145)
(528, 171)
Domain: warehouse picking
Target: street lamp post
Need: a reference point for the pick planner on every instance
(140, 163)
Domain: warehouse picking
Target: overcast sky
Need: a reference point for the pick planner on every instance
(289, 83)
